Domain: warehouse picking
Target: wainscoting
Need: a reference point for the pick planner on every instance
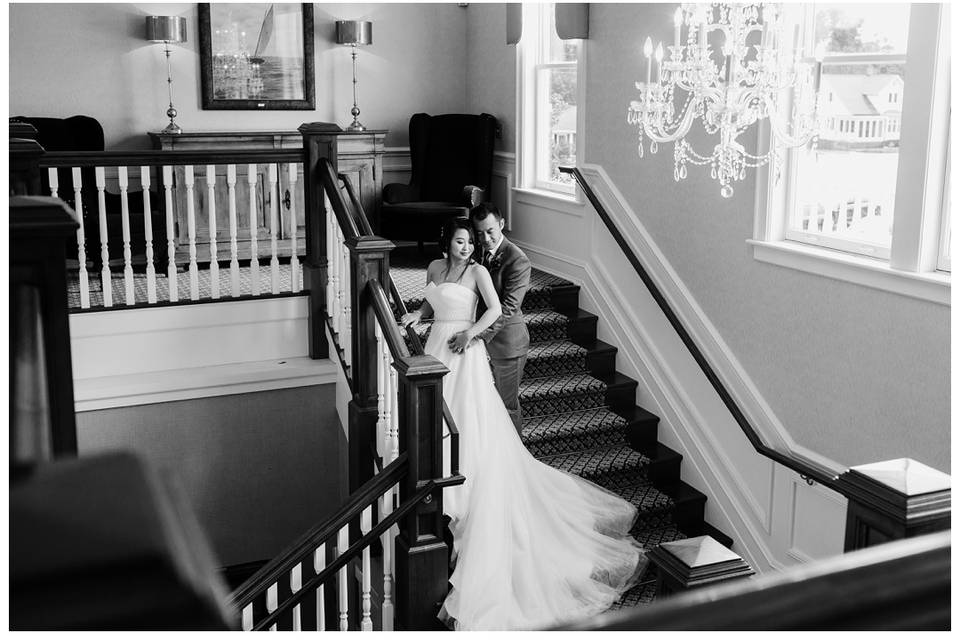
(776, 517)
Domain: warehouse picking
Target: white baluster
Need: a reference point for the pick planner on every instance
(148, 235)
(366, 622)
(252, 208)
(343, 541)
(331, 286)
(381, 375)
(192, 233)
(274, 260)
(335, 275)
(319, 563)
(104, 248)
(171, 234)
(395, 414)
(247, 618)
(296, 582)
(272, 602)
(347, 310)
(212, 230)
(81, 238)
(124, 183)
(232, 206)
(386, 612)
(292, 172)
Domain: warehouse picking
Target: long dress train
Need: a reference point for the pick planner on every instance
(534, 546)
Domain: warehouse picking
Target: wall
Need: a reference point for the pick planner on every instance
(492, 70)
(259, 468)
(856, 374)
(68, 59)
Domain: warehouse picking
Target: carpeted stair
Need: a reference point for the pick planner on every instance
(580, 415)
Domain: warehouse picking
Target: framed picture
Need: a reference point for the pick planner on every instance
(256, 56)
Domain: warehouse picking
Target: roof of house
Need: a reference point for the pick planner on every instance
(855, 91)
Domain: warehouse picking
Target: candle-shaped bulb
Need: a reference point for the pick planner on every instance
(677, 22)
(648, 47)
(659, 53)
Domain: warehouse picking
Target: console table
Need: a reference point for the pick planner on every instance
(359, 156)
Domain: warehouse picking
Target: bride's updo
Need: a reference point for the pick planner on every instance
(446, 235)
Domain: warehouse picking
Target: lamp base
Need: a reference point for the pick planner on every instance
(355, 126)
(173, 127)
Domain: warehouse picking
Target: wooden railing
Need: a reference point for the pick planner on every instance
(903, 585)
(396, 455)
(878, 510)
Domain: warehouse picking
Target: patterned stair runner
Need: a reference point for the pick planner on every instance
(567, 421)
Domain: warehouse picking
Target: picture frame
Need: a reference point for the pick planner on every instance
(256, 56)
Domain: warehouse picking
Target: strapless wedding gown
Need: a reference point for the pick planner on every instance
(534, 546)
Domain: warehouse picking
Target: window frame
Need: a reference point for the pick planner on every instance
(533, 149)
(922, 176)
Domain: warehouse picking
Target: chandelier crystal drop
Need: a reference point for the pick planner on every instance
(753, 75)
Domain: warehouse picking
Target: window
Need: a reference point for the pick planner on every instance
(550, 92)
(874, 185)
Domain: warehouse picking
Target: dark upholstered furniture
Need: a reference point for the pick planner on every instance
(451, 160)
(83, 133)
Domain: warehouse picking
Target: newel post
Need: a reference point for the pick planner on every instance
(42, 419)
(369, 261)
(319, 141)
(892, 500)
(25, 154)
(421, 555)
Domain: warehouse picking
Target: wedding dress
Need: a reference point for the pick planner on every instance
(534, 546)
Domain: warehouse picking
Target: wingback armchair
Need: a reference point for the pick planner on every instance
(451, 159)
(83, 133)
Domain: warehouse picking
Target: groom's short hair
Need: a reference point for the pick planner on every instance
(484, 209)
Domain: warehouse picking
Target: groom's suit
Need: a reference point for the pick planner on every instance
(508, 341)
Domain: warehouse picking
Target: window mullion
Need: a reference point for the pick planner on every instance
(923, 142)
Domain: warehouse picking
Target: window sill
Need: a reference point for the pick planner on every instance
(569, 204)
(930, 286)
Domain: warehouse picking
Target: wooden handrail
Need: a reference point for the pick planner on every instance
(328, 177)
(388, 324)
(345, 557)
(52, 159)
(903, 584)
(803, 467)
(308, 542)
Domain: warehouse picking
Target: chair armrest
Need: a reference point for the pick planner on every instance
(472, 196)
(396, 193)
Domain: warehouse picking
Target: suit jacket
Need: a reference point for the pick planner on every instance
(507, 337)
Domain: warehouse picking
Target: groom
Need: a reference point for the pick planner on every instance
(508, 341)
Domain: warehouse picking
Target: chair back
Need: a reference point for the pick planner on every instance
(76, 133)
(448, 152)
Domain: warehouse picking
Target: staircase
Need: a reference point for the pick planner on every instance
(580, 414)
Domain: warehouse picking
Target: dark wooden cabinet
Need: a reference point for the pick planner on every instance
(359, 155)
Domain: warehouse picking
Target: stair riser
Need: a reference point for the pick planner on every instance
(664, 470)
(554, 366)
(601, 362)
(641, 432)
(572, 402)
(577, 442)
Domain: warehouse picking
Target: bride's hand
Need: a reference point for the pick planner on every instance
(410, 318)
(459, 341)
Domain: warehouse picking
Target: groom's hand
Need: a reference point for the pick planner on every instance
(459, 341)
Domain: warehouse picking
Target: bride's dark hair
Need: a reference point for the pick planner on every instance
(446, 236)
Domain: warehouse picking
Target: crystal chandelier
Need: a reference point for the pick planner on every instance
(728, 89)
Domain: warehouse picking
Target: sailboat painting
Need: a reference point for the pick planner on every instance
(256, 55)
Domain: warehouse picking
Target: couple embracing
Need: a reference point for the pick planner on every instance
(534, 546)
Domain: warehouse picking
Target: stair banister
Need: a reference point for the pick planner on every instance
(878, 510)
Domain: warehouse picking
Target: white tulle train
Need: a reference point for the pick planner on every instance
(534, 546)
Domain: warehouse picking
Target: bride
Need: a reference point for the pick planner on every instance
(534, 546)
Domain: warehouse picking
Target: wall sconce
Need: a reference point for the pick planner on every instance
(353, 33)
(167, 29)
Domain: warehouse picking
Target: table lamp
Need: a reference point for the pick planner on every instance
(167, 29)
(353, 33)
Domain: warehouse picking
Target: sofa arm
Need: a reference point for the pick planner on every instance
(396, 193)
(472, 196)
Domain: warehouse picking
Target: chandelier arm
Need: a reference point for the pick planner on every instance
(658, 134)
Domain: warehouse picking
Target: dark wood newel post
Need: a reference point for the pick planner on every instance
(42, 419)
(369, 261)
(421, 554)
(892, 500)
(319, 141)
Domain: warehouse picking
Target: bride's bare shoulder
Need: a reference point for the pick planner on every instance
(480, 273)
(435, 267)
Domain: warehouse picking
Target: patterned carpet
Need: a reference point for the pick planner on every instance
(568, 422)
